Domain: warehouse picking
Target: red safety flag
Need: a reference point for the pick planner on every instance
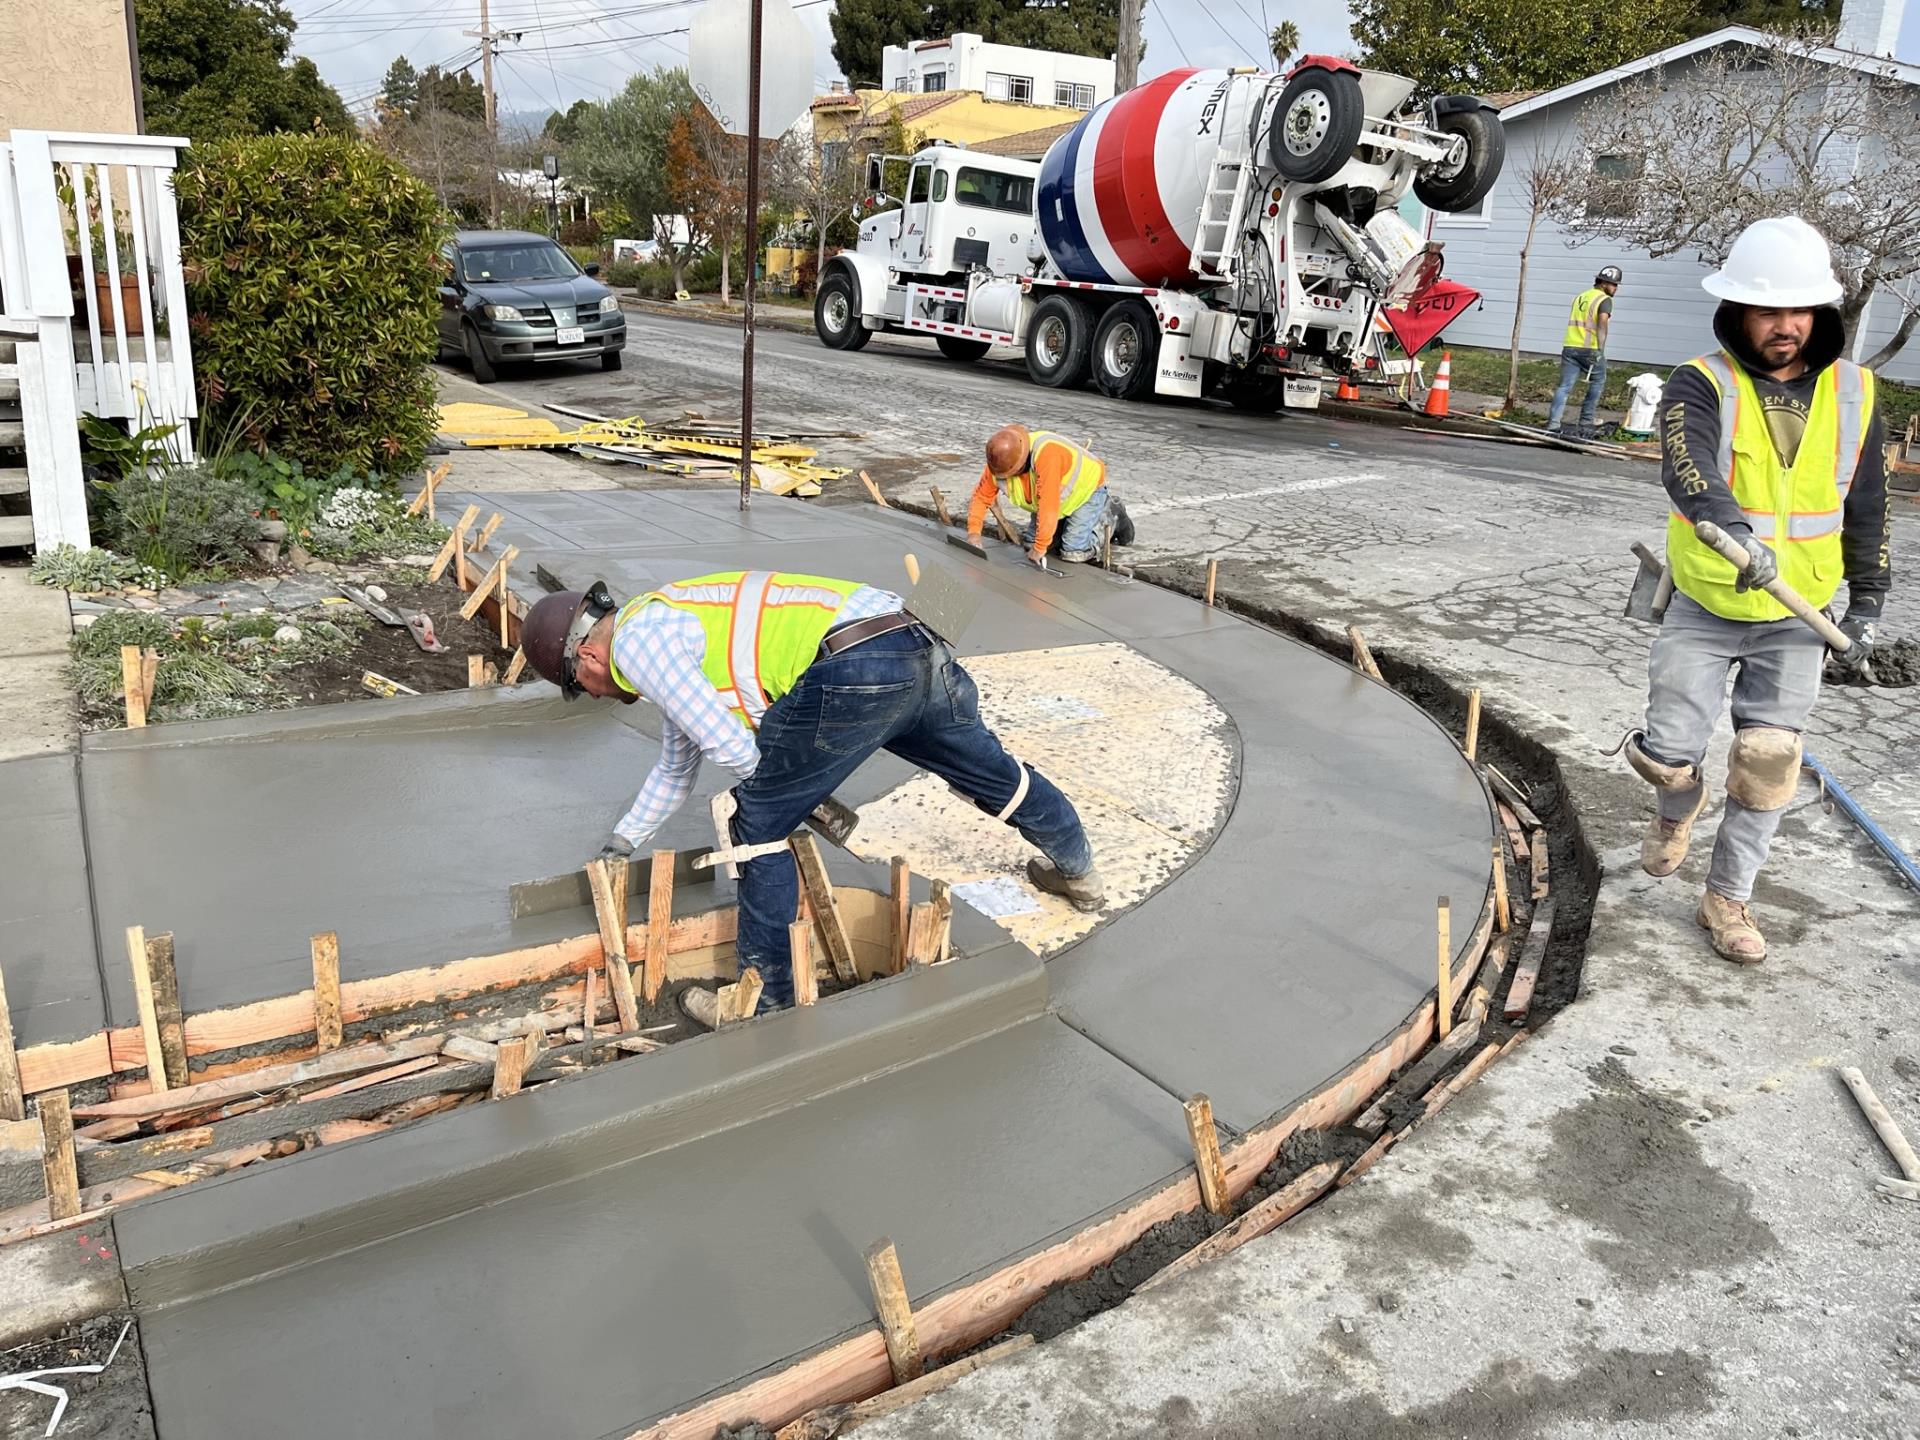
(1429, 312)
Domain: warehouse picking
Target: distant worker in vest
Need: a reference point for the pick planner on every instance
(1583, 349)
(831, 671)
(1062, 488)
(1774, 439)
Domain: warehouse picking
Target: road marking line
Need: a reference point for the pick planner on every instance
(1292, 487)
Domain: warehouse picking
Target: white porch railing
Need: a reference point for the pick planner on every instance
(96, 214)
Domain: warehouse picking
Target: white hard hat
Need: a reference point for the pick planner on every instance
(1782, 263)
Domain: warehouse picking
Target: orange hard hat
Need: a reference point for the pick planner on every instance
(1007, 451)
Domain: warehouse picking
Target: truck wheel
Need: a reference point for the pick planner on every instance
(1464, 185)
(1126, 346)
(1059, 343)
(836, 313)
(1316, 125)
(956, 348)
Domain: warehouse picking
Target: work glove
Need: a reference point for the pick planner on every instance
(1850, 665)
(618, 847)
(1761, 566)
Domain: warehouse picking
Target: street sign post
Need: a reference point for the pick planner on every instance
(756, 95)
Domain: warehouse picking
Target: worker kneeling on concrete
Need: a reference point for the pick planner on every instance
(1059, 485)
(834, 671)
(1774, 439)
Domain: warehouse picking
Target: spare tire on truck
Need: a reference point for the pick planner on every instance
(1465, 183)
(1316, 124)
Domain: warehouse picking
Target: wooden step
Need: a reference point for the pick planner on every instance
(15, 530)
(13, 434)
(13, 480)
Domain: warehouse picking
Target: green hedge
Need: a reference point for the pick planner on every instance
(312, 276)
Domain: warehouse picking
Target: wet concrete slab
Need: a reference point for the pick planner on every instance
(587, 1307)
(46, 916)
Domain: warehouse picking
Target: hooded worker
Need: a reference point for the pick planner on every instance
(1773, 438)
(1058, 484)
(830, 672)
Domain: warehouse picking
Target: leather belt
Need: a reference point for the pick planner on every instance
(854, 632)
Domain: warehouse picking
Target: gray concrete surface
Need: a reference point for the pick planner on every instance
(1738, 1277)
(46, 920)
(38, 714)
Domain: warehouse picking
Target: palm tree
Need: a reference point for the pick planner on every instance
(1284, 40)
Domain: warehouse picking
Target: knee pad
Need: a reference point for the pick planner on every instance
(1003, 813)
(1763, 768)
(1658, 773)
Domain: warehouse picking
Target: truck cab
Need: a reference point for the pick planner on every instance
(959, 211)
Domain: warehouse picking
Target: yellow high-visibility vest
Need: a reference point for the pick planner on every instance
(1583, 325)
(1796, 509)
(763, 628)
(1023, 489)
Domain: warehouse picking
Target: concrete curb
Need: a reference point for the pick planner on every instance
(766, 317)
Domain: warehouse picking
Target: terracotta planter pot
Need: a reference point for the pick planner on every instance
(129, 302)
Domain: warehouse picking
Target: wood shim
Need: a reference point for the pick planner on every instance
(1269, 1214)
(923, 934)
(515, 1056)
(133, 685)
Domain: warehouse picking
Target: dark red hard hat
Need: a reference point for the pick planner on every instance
(556, 625)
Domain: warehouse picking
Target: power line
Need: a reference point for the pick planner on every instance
(1172, 34)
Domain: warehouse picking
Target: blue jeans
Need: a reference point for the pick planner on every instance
(1078, 534)
(902, 692)
(1573, 364)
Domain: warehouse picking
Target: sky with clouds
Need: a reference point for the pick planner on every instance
(574, 49)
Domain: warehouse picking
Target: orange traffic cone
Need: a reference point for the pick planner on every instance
(1348, 390)
(1442, 383)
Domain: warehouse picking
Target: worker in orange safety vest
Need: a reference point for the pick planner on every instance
(1062, 488)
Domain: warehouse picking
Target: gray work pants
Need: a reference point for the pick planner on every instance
(1776, 679)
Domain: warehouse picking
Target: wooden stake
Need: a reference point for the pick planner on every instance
(510, 1069)
(746, 993)
(1001, 522)
(923, 934)
(895, 1311)
(56, 1138)
(432, 483)
(607, 880)
(149, 673)
(1884, 1125)
(806, 980)
(149, 1016)
(899, 900)
(1445, 1012)
(1362, 656)
(514, 667)
(1213, 576)
(1537, 847)
(913, 568)
(827, 923)
(485, 533)
(326, 991)
(873, 491)
(659, 921)
(476, 672)
(13, 1102)
(166, 1008)
(940, 896)
(451, 546)
(1502, 909)
(506, 606)
(940, 507)
(132, 681)
(495, 578)
(1472, 743)
(1206, 1155)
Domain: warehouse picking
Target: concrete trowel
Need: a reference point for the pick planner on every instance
(1652, 587)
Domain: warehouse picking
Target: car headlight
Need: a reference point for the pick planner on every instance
(501, 312)
(609, 304)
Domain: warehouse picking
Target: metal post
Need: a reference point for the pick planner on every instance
(753, 251)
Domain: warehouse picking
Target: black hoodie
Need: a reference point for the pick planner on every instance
(1690, 436)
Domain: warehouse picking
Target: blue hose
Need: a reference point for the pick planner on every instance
(1902, 861)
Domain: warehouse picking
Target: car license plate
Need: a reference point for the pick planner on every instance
(571, 335)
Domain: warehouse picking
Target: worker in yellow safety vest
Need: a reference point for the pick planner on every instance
(1062, 488)
(788, 683)
(1773, 438)
(1583, 350)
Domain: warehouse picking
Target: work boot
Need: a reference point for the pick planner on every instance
(1083, 892)
(1730, 922)
(1122, 524)
(701, 1006)
(1665, 845)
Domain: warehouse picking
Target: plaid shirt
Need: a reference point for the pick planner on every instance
(660, 649)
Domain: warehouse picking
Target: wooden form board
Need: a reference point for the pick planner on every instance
(13, 1104)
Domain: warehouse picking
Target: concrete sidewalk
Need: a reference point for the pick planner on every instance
(38, 714)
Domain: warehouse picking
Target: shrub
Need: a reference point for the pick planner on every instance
(313, 274)
(286, 487)
(584, 231)
(66, 567)
(372, 525)
(182, 519)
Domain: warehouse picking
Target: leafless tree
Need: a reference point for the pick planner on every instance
(1681, 159)
(1544, 179)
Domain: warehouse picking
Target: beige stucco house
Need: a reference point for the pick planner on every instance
(69, 65)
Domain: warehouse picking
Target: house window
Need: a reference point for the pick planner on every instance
(900, 83)
(1615, 191)
(1010, 87)
(933, 80)
(1079, 97)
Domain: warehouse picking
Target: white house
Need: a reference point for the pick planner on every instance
(1000, 72)
(1661, 316)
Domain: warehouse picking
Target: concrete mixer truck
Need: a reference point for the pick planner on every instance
(1211, 232)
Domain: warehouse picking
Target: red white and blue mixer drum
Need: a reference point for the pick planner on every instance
(1120, 193)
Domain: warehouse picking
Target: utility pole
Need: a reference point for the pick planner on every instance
(489, 45)
(1126, 58)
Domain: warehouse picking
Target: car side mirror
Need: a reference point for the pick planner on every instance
(593, 267)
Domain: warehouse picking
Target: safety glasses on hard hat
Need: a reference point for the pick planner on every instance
(596, 602)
